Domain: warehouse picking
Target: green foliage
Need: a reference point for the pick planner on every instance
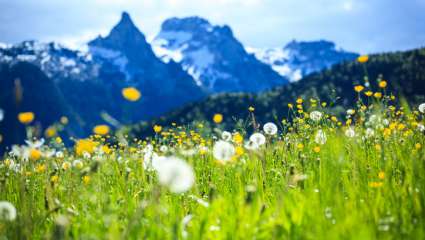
(404, 72)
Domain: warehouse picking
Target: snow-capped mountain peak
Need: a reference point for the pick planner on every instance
(212, 56)
(298, 59)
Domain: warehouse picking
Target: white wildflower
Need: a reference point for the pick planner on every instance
(421, 127)
(7, 211)
(316, 116)
(422, 108)
(350, 132)
(35, 144)
(163, 148)
(369, 132)
(77, 164)
(176, 174)
(148, 159)
(223, 151)
(270, 128)
(226, 136)
(351, 111)
(258, 139)
(320, 137)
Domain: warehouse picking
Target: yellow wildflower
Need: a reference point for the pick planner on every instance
(50, 132)
(237, 138)
(251, 109)
(26, 117)
(290, 105)
(85, 145)
(218, 118)
(363, 59)
(377, 95)
(381, 175)
(358, 88)
(131, 94)
(101, 129)
(382, 84)
(86, 179)
(35, 154)
(54, 179)
(316, 149)
(157, 128)
(368, 93)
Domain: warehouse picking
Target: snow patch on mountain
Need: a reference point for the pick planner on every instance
(53, 59)
(115, 57)
(298, 59)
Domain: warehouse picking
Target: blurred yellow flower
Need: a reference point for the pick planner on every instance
(382, 84)
(299, 100)
(157, 128)
(40, 168)
(237, 138)
(35, 154)
(363, 59)
(64, 120)
(358, 88)
(251, 109)
(54, 179)
(375, 184)
(218, 118)
(377, 95)
(50, 132)
(101, 129)
(26, 117)
(131, 94)
(85, 145)
(381, 175)
(86, 180)
(368, 93)
(316, 149)
(290, 105)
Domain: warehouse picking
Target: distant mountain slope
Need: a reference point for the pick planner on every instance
(24, 87)
(298, 59)
(404, 72)
(213, 56)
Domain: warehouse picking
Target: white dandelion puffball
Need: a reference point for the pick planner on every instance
(350, 133)
(316, 116)
(175, 174)
(422, 108)
(421, 128)
(226, 136)
(320, 137)
(1, 114)
(7, 211)
(270, 128)
(258, 138)
(369, 132)
(223, 151)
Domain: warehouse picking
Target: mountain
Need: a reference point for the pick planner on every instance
(126, 50)
(25, 87)
(213, 56)
(88, 84)
(298, 59)
(403, 71)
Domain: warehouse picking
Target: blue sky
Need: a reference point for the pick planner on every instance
(364, 26)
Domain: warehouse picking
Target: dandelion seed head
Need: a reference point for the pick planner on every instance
(223, 151)
(270, 128)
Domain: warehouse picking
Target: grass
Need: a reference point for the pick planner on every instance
(361, 187)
